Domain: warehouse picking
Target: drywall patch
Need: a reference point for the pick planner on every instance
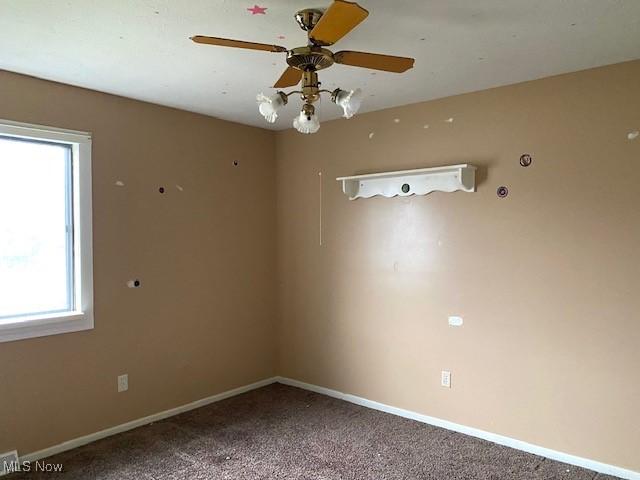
(525, 160)
(633, 135)
(119, 183)
(502, 191)
(134, 284)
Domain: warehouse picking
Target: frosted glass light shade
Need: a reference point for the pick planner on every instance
(269, 106)
(306, 122)
(349, 101)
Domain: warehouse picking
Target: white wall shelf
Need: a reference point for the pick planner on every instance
(403, 183)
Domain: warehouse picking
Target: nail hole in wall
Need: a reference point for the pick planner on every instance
(236, 163)
(161, 189)
(133, 283)
(502, 191)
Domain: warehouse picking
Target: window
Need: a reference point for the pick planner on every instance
(46, 271)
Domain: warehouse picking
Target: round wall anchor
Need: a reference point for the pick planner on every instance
(502, 191)
(525, 160)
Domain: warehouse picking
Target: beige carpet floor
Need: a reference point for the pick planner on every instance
(280, 432)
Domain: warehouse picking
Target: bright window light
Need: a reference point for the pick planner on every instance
(46, 271)
(36, 244)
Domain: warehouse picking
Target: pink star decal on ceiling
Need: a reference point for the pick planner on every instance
(257, 10)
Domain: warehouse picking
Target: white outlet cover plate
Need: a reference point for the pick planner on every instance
(446, 379)
(123, 383)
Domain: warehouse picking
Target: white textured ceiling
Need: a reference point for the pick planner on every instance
(141, 48)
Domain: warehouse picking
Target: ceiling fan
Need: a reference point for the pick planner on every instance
(324, 28)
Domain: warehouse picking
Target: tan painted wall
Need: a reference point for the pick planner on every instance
(202, 322)
(546, 279)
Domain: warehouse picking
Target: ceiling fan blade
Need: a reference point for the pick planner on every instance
(289, 78)
(338, 20)
(387, 63)
(226, 42)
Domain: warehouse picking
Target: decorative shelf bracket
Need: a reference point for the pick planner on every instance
(403, 183)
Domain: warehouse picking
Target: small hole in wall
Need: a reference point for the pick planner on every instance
(525, 160)
(406, 188)
(236, 163)
(161, 189)
(502, 192)
(133, 283)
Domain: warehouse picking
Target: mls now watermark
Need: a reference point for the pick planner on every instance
(28, 466)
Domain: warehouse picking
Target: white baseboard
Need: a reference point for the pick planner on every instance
(474, 432)
(78, 442)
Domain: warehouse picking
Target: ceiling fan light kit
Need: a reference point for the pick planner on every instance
(269, 106)
(349, 101)
(307, 121)
(324, 28)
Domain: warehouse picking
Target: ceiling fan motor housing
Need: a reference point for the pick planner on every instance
(310, 58)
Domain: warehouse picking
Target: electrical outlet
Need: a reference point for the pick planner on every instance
(123, 383)
(445, 380)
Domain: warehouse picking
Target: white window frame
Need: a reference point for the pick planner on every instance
(81, 318)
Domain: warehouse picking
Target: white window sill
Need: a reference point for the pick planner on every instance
(19, 328)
